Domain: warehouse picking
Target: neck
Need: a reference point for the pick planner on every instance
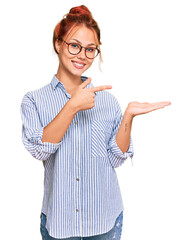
(69, 81)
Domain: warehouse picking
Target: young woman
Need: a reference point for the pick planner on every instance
(81, 136)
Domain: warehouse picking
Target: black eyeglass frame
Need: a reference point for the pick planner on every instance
(98, 51)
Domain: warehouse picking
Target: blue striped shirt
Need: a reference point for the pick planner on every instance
(81, 190)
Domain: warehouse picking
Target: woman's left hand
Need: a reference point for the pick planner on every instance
(136, 108)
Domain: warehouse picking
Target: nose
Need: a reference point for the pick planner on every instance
(82, 54)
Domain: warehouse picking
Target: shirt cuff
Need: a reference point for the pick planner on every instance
(46, 146)
(117, 151)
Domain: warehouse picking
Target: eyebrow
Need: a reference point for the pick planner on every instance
(81, 43)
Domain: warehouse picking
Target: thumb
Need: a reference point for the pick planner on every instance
(86, 82)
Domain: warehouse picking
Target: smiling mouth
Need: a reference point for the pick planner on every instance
(78, 65)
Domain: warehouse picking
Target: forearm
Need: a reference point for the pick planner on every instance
(56, 129)
(124, 132)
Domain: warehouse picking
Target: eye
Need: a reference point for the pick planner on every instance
(90, 49)
(74, 45)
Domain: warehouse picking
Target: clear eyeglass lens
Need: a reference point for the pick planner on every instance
(74, 48)
(91, 52)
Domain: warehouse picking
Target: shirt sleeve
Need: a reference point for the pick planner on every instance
(32, 131)
(116, 156)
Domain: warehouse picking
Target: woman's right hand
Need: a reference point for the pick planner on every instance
(84, 98)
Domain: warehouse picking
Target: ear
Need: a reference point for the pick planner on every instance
(58, 44)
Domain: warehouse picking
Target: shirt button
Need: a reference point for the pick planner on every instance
(77, 210)
(76, 122)
(77, 179)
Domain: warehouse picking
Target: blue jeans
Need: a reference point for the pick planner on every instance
(114, 233)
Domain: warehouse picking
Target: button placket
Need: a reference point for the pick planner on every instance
(77, 170)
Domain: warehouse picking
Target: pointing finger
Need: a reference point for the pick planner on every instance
(101, 88)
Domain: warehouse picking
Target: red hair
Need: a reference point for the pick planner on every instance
(77, 16)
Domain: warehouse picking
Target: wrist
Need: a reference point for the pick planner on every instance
(74, 108)
(128, 115)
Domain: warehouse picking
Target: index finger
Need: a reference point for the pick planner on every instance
(101, 88)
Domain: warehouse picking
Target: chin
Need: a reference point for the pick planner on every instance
(78, 73)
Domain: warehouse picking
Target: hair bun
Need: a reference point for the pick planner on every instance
(80, 10)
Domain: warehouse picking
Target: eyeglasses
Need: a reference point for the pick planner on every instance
(75, 48)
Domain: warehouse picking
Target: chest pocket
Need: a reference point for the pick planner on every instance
(101, 131)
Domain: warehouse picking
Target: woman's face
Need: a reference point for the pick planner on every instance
(76, 65)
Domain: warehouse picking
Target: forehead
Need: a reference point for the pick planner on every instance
(83, 34)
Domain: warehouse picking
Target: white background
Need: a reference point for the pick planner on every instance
(146, 47)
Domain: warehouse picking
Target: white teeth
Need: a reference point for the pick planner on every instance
(78, 64)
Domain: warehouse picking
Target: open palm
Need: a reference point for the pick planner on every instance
(137, 108)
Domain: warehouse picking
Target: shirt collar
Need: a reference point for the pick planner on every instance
(55, 82)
